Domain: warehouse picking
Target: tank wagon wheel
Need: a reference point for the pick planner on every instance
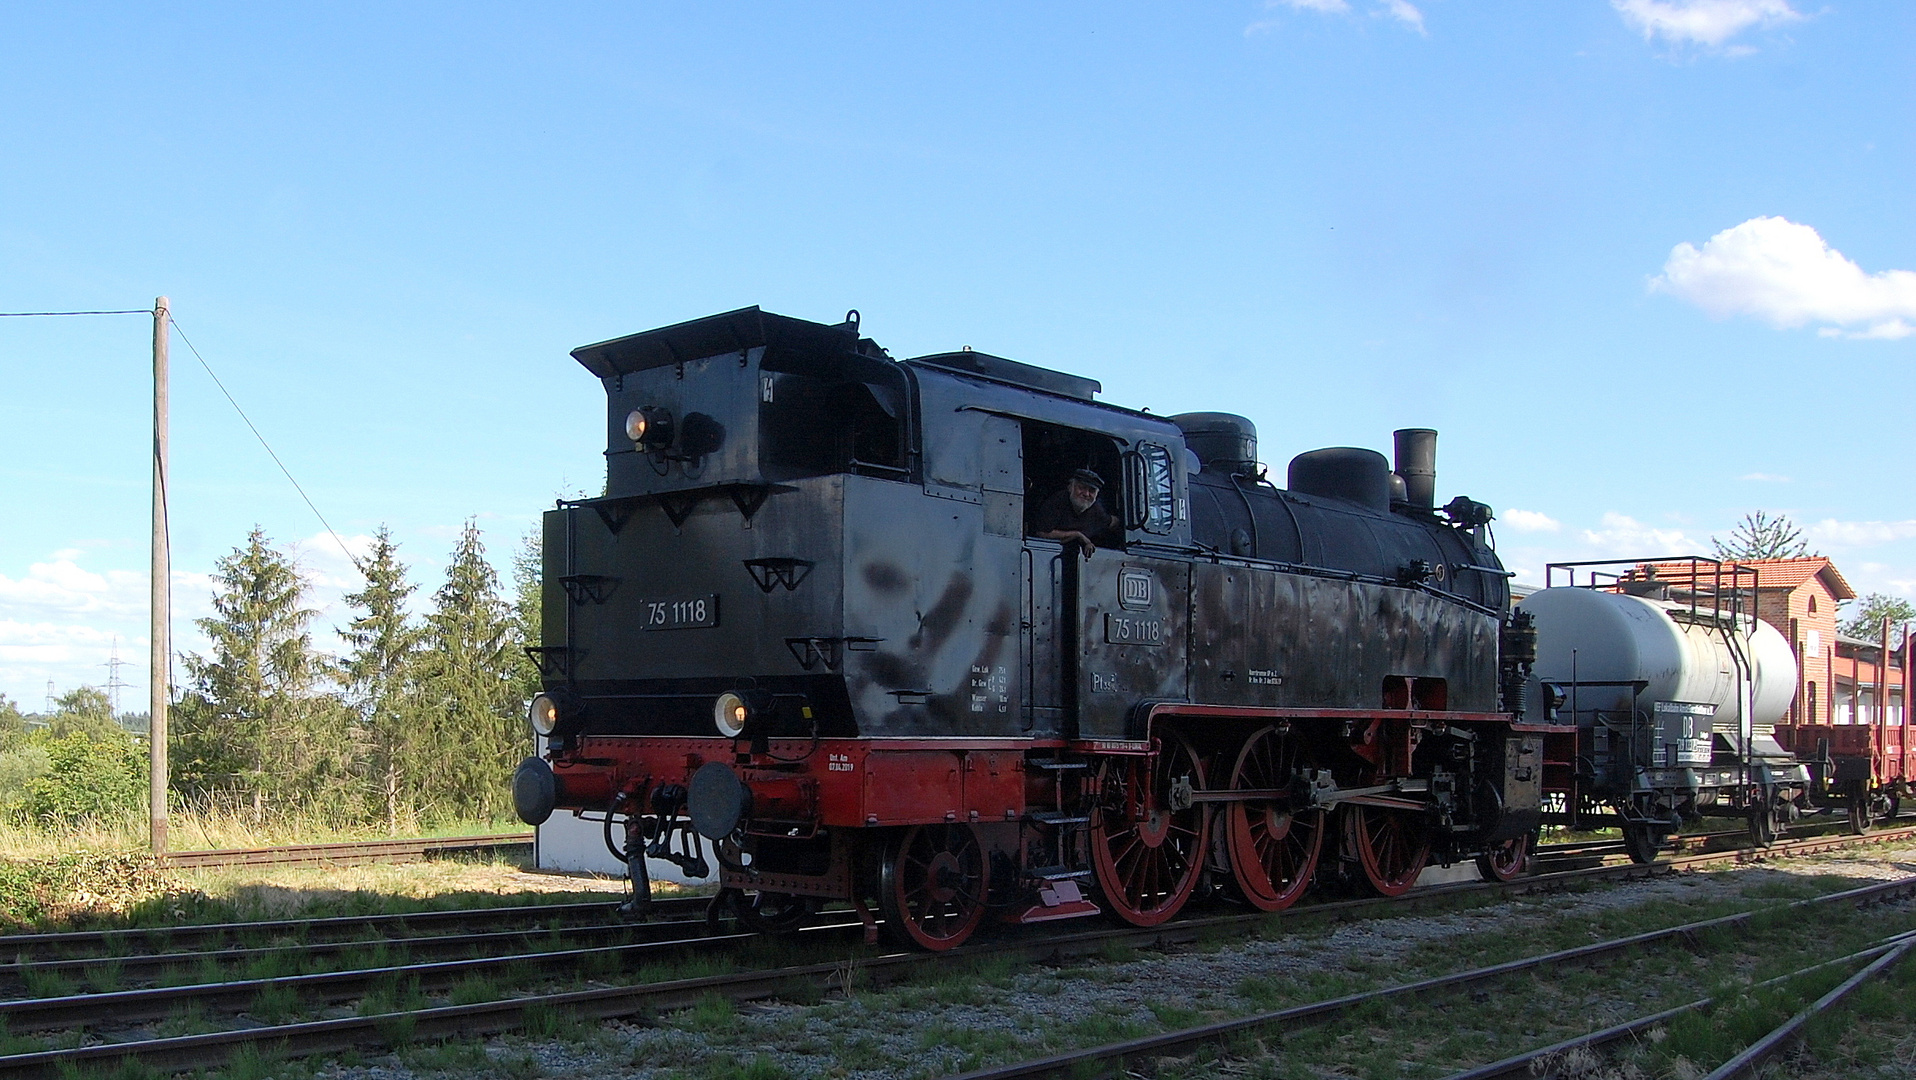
(1507, 861)
(1642, 843)
(932, 886)
(1763, 824)
(1392, 847)
(1147, 855)
(1273, 850)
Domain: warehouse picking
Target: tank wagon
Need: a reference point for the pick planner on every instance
(1663, 691)
(811, 628)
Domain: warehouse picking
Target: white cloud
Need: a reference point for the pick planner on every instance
(1529, 520)
(326, 566)
(1767, 478)
(1702, 22)
(63, 586)
(61, 621)
(1403, 12)
(1626, 537)
(1841, 534)
(1785, 274)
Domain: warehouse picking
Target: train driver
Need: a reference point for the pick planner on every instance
(1074, 515)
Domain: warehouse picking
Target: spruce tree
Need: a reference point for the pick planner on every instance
(528, 576)
(467, 697)
(254, 721)
(377, 677)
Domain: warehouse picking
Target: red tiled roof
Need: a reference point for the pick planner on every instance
(1770, 573)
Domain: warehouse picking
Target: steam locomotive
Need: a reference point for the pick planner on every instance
(811, 628)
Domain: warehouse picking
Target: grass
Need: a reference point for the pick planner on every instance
(187, 1019)
(38, 897)
(211, 828)
(275, 1003)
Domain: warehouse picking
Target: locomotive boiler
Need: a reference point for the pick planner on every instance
(814, 627)
(1673, 687)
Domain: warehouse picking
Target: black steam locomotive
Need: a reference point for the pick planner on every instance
(812, 623)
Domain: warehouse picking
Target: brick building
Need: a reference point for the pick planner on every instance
(1799, 598)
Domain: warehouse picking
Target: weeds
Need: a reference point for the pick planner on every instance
(712, 1014)
(276, 1003)
(461, 1057)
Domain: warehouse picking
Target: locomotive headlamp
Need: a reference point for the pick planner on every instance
(543, 716)
(555, 713)
(649, 427)
(730, 714)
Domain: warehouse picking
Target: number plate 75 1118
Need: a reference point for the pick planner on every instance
(679, 612)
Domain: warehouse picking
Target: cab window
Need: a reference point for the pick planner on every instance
(1150, 489)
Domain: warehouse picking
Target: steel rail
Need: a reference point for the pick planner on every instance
(109, 943)
(214, 1049)
(118, 1007)
(344, 852)
(1078, 1062)
(1684, 843)
(416, 948)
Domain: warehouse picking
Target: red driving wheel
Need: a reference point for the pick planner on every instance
(1391, 845)
(1273, 849)
(1148, 855)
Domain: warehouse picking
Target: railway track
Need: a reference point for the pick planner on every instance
(1580, 852)
(84, 944)
(1111, 1057)
(1877, 961)
(127, 1042)
(348, 852)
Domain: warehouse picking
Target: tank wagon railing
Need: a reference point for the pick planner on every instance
(1692, 577)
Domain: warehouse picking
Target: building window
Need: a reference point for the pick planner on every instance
(1812, 696)
(1812, 605)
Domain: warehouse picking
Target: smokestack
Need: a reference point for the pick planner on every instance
(1417, 464)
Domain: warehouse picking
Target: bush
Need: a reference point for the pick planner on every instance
(18, 769)
(87, 779)
(37, 893)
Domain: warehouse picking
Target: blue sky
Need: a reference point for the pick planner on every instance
(385, 226)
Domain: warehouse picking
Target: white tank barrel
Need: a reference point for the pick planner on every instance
(1586, 636)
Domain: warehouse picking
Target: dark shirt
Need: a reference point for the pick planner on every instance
(1056, 515)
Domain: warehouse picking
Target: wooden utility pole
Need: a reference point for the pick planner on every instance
(159, 661)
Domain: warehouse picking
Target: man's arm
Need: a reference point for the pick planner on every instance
(1070, 536)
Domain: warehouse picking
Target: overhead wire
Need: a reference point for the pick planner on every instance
(350, 557)
(27, 314)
